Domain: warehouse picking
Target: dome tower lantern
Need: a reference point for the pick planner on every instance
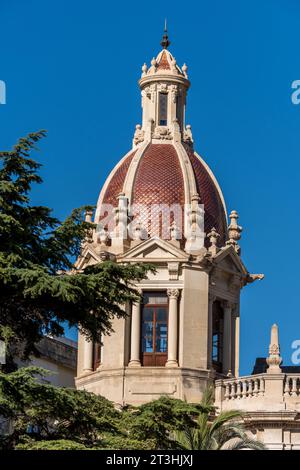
(163, 87)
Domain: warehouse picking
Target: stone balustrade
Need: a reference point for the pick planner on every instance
(243, 387)
(259, 392)
(292, 385)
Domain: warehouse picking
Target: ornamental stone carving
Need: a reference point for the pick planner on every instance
(173, 269)
(162, 132)
(173, 293)
(139, 135)
(274, 359)
(162, 87)
(213, 239)
(234, 232)
(188, 136)
(174, 92)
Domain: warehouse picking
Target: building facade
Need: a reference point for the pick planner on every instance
(162, 205)
(57, 355)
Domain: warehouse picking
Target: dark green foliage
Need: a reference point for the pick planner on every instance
(40, 288)
(158, 419)
(224, 431)
(45, 417)
(59, 444)
(51, 412)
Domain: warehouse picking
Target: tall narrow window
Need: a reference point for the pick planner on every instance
(217, 339)
(96, 355)
(154, 329)
(179, 110)
(163, 109)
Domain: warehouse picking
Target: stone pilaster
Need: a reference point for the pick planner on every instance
(135, 360)
(173, 328)
(87, 355)
(211, 299)
(227, 337)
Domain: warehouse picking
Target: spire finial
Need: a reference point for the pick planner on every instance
(274, 360)
(165, 40)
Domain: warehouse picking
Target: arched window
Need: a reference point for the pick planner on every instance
(217, 336)
(154, 329)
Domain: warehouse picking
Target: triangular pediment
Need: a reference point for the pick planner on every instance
(88, 257)
(155, 249)
(228, 260)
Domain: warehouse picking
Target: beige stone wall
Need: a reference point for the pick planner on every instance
(61, 377)
(194, 319)
(142, 384)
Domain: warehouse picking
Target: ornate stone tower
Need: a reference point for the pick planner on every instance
(168, 210)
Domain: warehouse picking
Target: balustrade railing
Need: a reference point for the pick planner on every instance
(283, 387)
(244, 387)
(292, 385)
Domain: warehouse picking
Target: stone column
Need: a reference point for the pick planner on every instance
(135, 348)
(87, 355)
(227, 308)
(237, 345)
(173, 295)
(101, 352)
(211, 299)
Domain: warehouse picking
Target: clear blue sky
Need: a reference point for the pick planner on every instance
(71, 67)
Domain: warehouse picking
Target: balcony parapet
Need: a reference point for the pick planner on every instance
(268, 392)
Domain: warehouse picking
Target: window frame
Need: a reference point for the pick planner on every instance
(154, 354)
(217, 311)
(163, 122)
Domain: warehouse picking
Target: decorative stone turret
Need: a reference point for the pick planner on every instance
(274, 360)
(195, 226)
(121, 239)
(88, 219)
(175, 232)
(213, 239)
(234, 232)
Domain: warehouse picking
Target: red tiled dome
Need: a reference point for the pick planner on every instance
(116, 183)
(214, 215)
(159, 180)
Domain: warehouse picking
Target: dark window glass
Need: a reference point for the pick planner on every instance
(154, 298)
(217, 337)
(163, 109)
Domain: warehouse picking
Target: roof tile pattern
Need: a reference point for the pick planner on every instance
(214, 215)
(158, 185)
(163, 63)
(115, 186)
